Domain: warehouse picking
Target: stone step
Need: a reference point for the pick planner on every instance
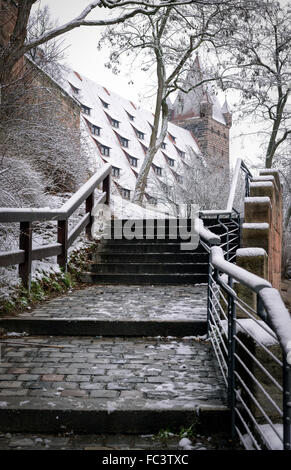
(148, 268)
(136, 279)
(79, 327)
(97, 385)
(103, 257)
(117, 310)
(140, 241)
(116, 246)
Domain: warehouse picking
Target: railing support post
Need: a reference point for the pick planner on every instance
(209, 295)
(106, 189)
(25, 243)
(62, 259)
(89, 207)
(286, 404)
(231, 358)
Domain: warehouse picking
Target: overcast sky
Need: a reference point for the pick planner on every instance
(82, 55)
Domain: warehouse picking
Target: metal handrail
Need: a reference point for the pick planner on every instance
(271, 309)
(276, 312)
(26, 254)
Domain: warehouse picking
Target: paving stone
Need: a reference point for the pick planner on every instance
(52, 378)
(104, 394)
(138, 302)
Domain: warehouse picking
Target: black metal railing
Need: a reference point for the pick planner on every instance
(250, 330)
(65, 238)
(252, 342)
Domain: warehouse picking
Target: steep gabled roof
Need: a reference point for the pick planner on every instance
(123, 110)
(187, 105)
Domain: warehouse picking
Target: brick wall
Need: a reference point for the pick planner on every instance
(211, 135)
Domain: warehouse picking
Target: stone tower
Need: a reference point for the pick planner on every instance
(199, 111)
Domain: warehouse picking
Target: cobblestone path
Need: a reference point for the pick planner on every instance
(104, 384)
(127, 302)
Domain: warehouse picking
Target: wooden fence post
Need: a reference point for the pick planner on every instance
(25, 243)
(106, 188)
(62, 259)
(89, 207)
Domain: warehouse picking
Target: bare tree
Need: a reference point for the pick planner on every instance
(19, 43)
(196, 180)
(167, 42)
(258, 48)
(50, 55)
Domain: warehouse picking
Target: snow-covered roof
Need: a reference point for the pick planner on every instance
(129, 136)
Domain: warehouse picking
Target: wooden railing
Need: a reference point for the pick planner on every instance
(65, 238)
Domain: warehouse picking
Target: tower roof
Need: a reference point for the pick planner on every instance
(187, 105)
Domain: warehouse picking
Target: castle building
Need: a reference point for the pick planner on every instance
(119, 133)
(199, 112)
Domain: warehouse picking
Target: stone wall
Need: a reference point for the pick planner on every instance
(262, 226)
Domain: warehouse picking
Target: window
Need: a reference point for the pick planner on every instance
(181, 153)
(125, 193)
(152, 200)
(115, 123)
(105, 150)
(86, 110)
(163, 145)
(105, 105)
(157, 170)
(115, 171)
(170, 161)
(140, 134)
(95, 129)
(131, 117)
(75, 89)
(123, 141)
(133, 161)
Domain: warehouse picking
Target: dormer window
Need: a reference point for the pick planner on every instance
(133, 161)
(115, 123)
(115, 171)
(152, 200)
(104, 104)
(75, 90)
(140, 134)
(125, 193)
(86, 110)
(95, 129)
(123, 141)
(179, 178)
(181, 153)
(170, 161)
(105, 150)
(163, 145)
(131, 117)
(157, 170)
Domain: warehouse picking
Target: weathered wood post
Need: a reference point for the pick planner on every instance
(106, 188)
(62, 259)
(25, 243)
(89, 207)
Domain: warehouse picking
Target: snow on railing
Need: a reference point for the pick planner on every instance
(257, 372)
(26, 253)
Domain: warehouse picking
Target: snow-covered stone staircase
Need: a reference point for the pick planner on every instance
(147, 259)
(115, 358)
